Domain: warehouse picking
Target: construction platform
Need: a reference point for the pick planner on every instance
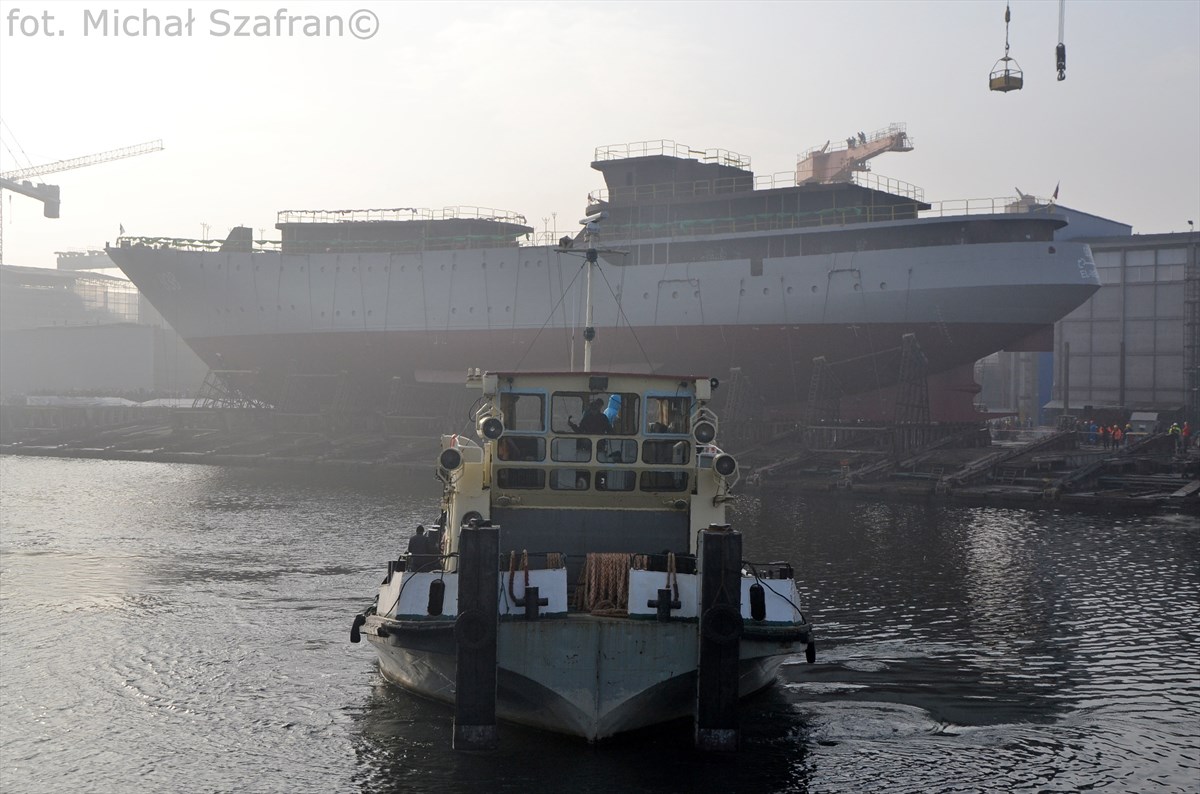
(1032, 468)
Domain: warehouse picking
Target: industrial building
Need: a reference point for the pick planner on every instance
(78, 330)
(1133, 346)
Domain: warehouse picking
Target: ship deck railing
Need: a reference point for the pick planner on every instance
(670, 148)
(461, 212)
(1008, 205)
(726, 185)
(461, 242)
(830, 217)
(758, 222)
(703, 188)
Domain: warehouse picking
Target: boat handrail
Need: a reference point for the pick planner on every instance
(832, 217)
(841, 216)
(461, 212)
(1007, 205)
(191, 244)
(670, 148)
(335, 245)
(887, 184)
(745, 183)
(779, 179)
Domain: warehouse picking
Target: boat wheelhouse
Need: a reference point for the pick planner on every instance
(584, 579)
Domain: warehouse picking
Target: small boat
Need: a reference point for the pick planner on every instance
(582, 577)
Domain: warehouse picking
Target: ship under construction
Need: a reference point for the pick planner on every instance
(809, 282)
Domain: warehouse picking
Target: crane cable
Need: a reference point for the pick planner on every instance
(1007, 19)
(1060, 51)
(13, 136)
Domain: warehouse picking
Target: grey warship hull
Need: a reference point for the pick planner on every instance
(702, 267)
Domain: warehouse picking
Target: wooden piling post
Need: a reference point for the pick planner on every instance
(719, 641)
(475, 637)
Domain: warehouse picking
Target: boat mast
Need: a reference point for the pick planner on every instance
(589, 331)
(591, 258)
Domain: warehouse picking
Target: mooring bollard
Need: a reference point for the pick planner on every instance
(719, 641)
(475, 638)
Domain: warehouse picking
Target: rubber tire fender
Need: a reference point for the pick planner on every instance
(471, 630)
(721, 624)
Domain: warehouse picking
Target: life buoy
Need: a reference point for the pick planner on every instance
(471, 631)
(721, 624)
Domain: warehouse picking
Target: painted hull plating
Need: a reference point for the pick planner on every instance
(581, 675)
(429, 316)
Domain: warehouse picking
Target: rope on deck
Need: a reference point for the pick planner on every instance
(603, 587)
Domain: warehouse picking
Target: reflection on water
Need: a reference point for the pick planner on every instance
(184, 628)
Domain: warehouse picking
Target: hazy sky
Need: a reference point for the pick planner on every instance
(502, 104)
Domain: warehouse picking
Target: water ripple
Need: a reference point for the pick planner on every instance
(182, 628)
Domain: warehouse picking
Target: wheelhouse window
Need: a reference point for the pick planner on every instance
(524, 412)
(570, 479)
(594, 413)
(615, 480)
(571, 450)
(659, 481)
(677, 453)
(668, 414)
(616, 450)
(517, 479)
(521, 448)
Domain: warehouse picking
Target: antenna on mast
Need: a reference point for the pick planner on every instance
(591, 261)
(591, 230)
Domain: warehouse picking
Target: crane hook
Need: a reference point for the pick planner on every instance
(1060, 52)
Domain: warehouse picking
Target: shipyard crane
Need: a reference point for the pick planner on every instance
(49, 194)
(826, 165)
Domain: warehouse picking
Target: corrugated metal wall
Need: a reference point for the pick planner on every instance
(1127, 341)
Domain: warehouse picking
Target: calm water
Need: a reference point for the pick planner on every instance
(184, 628)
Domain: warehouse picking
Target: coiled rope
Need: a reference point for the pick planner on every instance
(603, 587)
(512, 571)
(554, 560)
